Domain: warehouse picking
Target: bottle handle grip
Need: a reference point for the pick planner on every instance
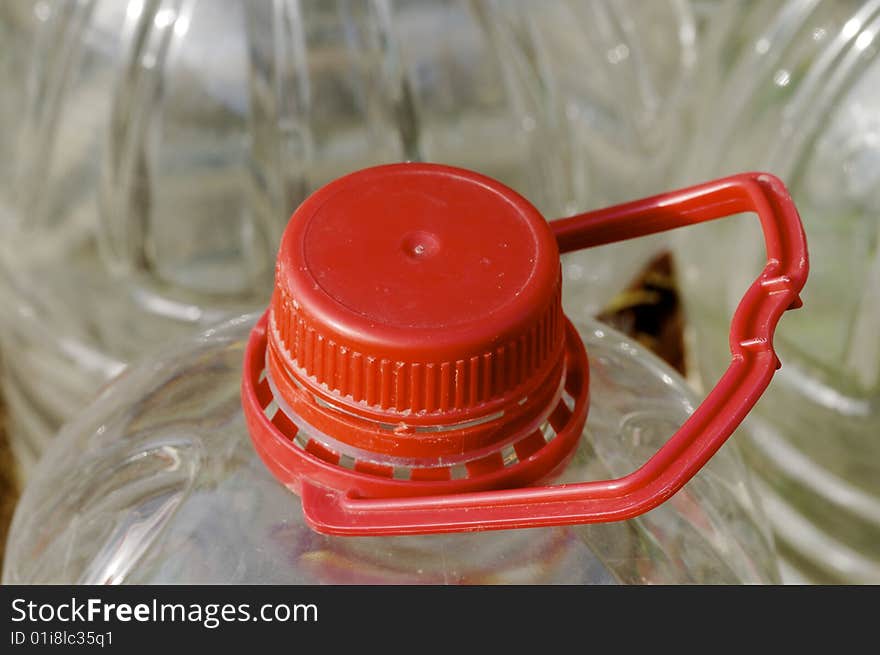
(752, 366)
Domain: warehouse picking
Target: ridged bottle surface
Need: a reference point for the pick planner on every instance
(795, 89)
(163, 144)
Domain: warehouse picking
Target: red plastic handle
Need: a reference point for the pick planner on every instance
(751, 369)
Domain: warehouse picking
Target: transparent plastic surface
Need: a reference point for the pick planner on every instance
(615, 78)
(161, 145)
(794, 88)
(157, 481)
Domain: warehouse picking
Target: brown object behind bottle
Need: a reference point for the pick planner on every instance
(9, 487)
(649, 311)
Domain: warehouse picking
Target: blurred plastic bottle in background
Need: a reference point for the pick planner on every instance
(616, 77)
(162, 145)
(794, 88)
(15, 30)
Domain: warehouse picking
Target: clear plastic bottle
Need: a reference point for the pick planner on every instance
(407, 411)
(793, 88)
(163, 144)
(157, 481)
(616, 78)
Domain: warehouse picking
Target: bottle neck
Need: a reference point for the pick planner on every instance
(424, 450)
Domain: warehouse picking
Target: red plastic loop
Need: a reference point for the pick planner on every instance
(753, 364)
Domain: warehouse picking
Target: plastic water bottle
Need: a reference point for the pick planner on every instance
(793, 88)
(161, 145)
(409, 404)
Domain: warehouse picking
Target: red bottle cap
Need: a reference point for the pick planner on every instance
(418, 292)
(417, 295)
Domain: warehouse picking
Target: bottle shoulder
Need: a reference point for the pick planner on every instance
(158, 481)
